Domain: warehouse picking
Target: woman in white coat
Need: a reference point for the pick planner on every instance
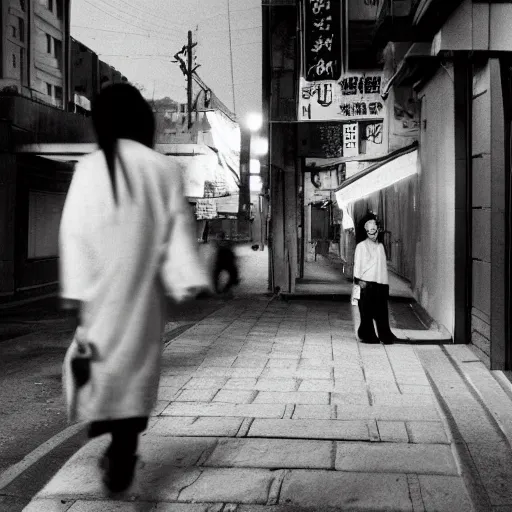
(371, 275)
(125, 221)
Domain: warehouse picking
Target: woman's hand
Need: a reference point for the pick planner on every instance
(362, 284)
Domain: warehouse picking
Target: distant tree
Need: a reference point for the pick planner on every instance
(163, 104)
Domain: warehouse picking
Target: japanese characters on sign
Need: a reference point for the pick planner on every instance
(350, 139)
(353, 96)
(322, 25)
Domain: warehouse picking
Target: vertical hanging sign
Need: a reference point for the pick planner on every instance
(350, 139)
(322, 38)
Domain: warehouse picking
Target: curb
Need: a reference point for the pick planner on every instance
(475, 488)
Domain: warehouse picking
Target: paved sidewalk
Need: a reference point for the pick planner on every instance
(275, 406)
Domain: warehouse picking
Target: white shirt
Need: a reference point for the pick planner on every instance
(370, 262)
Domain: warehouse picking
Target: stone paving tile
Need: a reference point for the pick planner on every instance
(409, 400)
(196, 395)
(236, 485)
(427, 432)
(212, 371)
(272, 453)
(219, 361)
(389, 413)
(395, 457)
(346, 491)
(316, 385)
(444, 494)
(240, 383)
(493, 461)
(102, 506)
(205, 383)
(167, 393)
(316, 363)
(235, 396)
(392, 431)
(190, 426)
(317, 412)
(219, 409)
(287, 384)
(80, 478)
(159, 407)
(291, 363)
(416, 389)
(241, 362)
(168, 451)
(188, 507)
(174, 381)
(48, 505)
(359, 398)
(310, 429)
(295, 397)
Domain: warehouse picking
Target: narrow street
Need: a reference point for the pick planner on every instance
(270, 405)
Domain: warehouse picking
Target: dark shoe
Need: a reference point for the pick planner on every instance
(389, 340)
(373, 341)
(118, 472)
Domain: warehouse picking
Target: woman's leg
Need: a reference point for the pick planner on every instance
(120, 457)
(366, 332)
(382, 315)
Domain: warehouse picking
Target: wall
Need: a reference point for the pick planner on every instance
(48, 69)
(436, 235)
(13, 67)
(489, 196)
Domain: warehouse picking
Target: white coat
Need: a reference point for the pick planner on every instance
(111, 257)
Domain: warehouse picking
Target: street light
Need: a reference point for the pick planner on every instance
(254, 121)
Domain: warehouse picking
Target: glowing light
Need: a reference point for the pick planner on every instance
(254, 121)
(259, 146)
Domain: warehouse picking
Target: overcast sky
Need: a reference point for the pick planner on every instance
(140, 37)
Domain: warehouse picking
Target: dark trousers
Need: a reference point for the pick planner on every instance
(124, 432)
(226, 260)
(373, 305)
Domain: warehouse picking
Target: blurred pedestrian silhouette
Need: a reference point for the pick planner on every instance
(225, 261)
(126, 240)
(371, 276)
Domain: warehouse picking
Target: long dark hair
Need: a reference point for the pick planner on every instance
(120, 112)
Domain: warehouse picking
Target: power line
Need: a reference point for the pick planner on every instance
(161, 18)
(231, 57)
(121, 20)
(117, 8)
(148, 36)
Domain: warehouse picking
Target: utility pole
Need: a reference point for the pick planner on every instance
(188, 69)
(189, 79)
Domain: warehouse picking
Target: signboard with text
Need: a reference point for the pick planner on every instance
(322, 40)
(353, 96)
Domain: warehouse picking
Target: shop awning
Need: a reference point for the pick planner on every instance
(399, 165)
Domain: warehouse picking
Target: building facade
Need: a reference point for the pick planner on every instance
(47, 83)
(446, 95)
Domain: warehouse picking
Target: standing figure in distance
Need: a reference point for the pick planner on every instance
(225, 261)
(371, 274)
(126, 234)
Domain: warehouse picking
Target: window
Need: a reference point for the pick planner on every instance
(18, 29)
(58, 93)
(48, 43)
(57, 50)
(49, 89)
(60, 10)
(22, 5)
(47, 3)
(14, 60)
